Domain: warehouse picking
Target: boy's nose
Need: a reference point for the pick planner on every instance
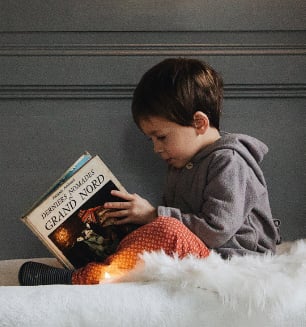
(157, 147)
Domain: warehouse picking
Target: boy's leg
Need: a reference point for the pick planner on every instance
(164, 233)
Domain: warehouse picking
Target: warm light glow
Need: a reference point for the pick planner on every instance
(112, 274)
(107, 275)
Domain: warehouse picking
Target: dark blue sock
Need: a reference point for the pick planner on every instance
(34, 273)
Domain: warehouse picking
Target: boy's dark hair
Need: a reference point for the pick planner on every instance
(175, 89)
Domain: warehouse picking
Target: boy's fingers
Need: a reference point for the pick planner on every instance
(116, 214)
(117, 205)
(123, 221)
(122, 195)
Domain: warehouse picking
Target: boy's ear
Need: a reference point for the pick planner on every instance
(200, 122)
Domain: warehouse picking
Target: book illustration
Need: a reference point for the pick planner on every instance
(84, 237)
(70, 219)
(96, 215)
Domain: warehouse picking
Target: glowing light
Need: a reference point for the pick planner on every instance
(107, 275)
(112, 275)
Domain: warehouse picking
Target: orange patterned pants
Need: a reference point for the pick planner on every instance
(163, 233)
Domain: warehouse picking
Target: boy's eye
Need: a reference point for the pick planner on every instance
(158, 138)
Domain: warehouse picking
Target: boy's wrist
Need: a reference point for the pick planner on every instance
(152, 216)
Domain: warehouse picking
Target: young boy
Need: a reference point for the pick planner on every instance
(214, 184)
(214, 187)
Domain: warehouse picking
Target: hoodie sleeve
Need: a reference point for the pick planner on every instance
(227, 198)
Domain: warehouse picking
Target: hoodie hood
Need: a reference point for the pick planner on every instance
(250, 148)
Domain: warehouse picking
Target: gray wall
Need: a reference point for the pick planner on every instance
(68, 69)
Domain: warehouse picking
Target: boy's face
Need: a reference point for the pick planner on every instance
(176, 144)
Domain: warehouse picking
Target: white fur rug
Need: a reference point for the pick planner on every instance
(275, 284)
(265, 291)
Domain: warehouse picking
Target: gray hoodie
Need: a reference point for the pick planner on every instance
(221, 196)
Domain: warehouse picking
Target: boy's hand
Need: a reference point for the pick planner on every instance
(134, 209)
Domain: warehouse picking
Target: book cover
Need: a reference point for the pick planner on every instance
(69, 217)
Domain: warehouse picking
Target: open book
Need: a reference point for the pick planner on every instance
(69, 217)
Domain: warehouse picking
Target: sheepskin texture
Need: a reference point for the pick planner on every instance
(161, 291)
(274, 284)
